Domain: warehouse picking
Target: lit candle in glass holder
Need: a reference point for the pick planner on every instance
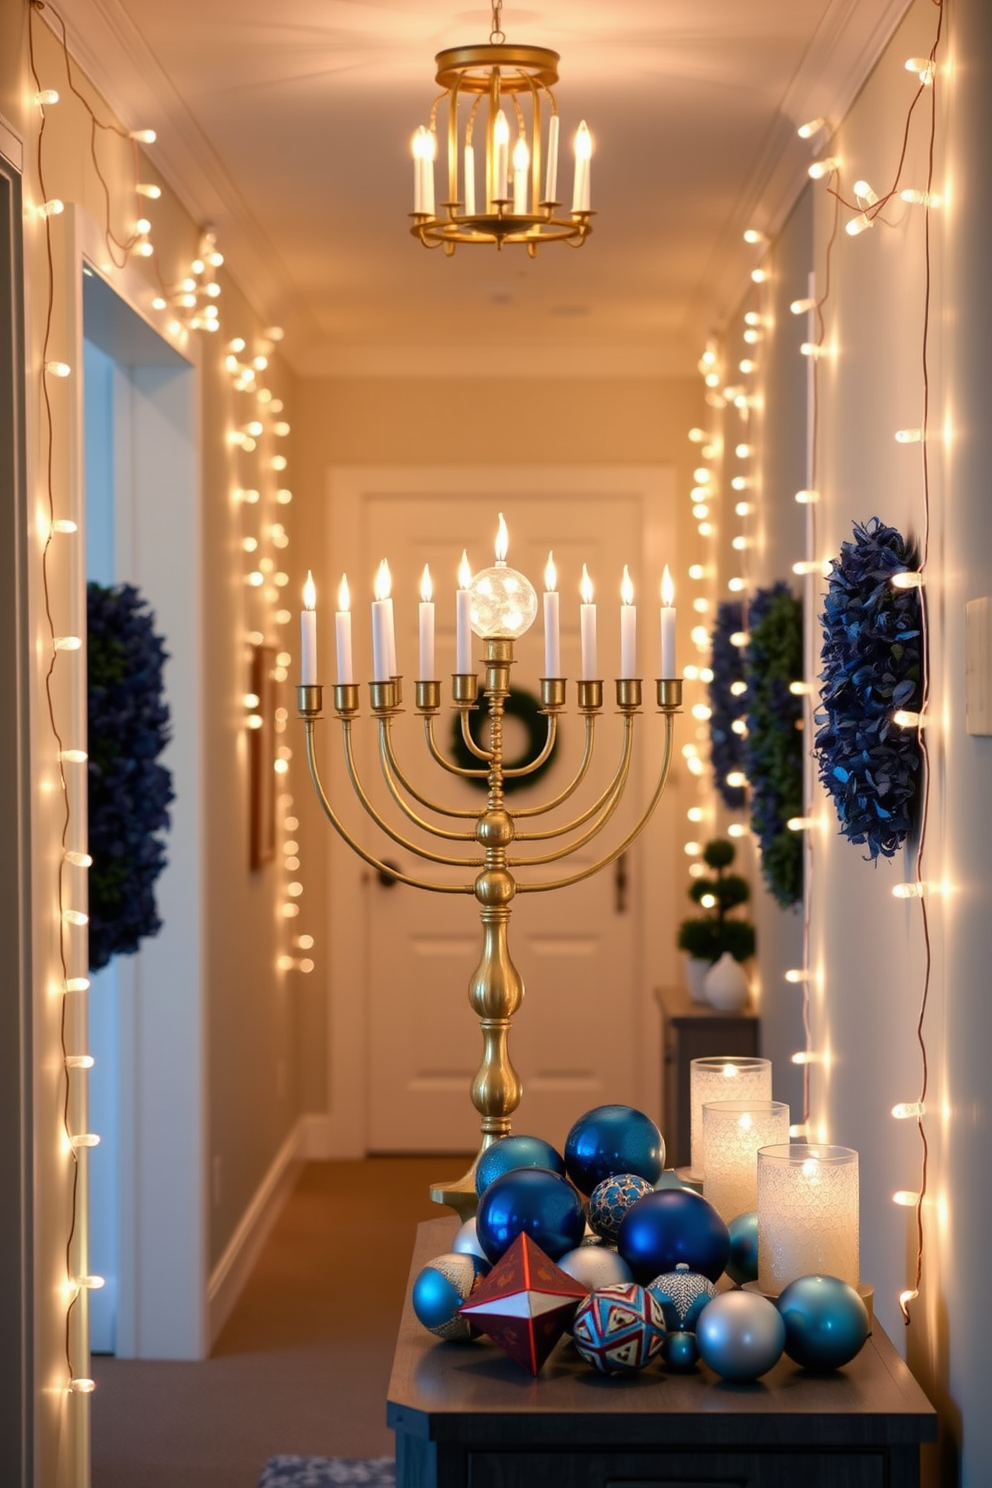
(733, 1131)
(723, 1077)
(808, 1214)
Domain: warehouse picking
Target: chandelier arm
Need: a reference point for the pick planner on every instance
(367, 857)
(564, 883)
(385, 754)
(609, 806)
(619, 776)
(445, 763)
(470, 744)
(535, 764)
(411, 790)
(518, 812)
(380, 821)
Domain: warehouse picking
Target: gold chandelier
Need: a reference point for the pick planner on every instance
(514, 200)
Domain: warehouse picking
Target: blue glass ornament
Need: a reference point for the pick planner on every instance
(826, 1322)
(440, 1289)
(515, 1152)
(680, 1352)
(683, 1294)
(534, 1202)
(670, 1226)
(610, 1201)
(619, 1329)
(610, 1140)
(740, 1335)
(743, 1263)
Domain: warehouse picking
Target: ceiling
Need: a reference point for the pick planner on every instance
(288, 126)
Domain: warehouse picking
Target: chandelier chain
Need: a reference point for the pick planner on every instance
(497, 33)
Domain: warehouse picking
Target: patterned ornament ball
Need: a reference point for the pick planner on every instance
(670, 1226)
(613, 1139)
(680, 1352)
(743, 1263)
(826, 1322)
(740, 1335)
(466, 1241)
(515, 1152)
(683, 1294)
(440, 1289)
(619, 1329)
(610, 1201)
(534, 1202)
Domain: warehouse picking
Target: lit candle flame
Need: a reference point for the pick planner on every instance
(383, 581)
(521, 154)
(585, 587)
(309, 593)
(421, 144)
(730, 1071)
(502, 540)
(627, 587)
(426, 587)
(583, 142)
(667, 588)
(344, 594)
(550, 574)
(464, 571)
(501, 129)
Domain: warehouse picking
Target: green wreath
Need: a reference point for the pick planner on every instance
(526, 708)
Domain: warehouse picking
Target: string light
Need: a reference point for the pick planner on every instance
(909, 436)
(737, 829)
(824, 167)
(58, 369)
(798, 974)
(76, 984)
(807, 498)
(907, 580)
(812, 126)
(924, 67)
(53, 208)
(907, 719)
(800, 307)
(78, 859)
(908, 890)
(907, 1198)
(909, 1110)
(800, 823)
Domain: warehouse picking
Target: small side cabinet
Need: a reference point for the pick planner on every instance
(693, 1030)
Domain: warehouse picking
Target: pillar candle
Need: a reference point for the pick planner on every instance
(733, 1131)
(723, 1077)
(808, 1214)
(308, 637)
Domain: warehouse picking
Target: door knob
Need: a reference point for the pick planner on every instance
(386, 879)
(620, 884)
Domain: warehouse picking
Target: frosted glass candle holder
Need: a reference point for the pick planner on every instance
(808, 1214)
(733, 1131)
(723, 1077)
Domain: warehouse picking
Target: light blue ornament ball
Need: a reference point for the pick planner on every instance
(740, 1335)
(595, 1266)
(826, 1322)
(610, 1201)
(683, 1294)
(466, 1241)
(610, 1140)
(680, 1352)
(440, 1289)
(670, 1179)
(534, 1202)
(743, 1263)
(515, 1152)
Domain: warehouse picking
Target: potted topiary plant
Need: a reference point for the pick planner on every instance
(708, 937)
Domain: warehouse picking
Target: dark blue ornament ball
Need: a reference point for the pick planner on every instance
(514, 1152)
(680, 1352)
(670, 1227)
(743, 1263)
(610, 1140)
(440, 1289)
(534, 1202)
(826, 1322)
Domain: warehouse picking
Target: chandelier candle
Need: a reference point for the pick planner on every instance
(808, 1214)
(492, 852)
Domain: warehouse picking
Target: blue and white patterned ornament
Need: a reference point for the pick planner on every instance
(610, 1200)
(440, 1289)
(619, 1328)
(683, 1294)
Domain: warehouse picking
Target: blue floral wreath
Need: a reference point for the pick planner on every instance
(129, 791)
(726, 747)
(773, 660)
(872, 666)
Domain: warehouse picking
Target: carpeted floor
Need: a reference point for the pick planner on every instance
(303, 1363)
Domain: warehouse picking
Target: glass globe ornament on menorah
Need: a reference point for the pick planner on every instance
(497, 605)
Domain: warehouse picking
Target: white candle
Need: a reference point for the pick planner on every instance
(551, 180)
(722, 1077)
(383, 636)
(733, 1132)
(583, 155)
(308, 638)
(808, 1214)
(430, 154)
(628, 627)
(426, 673)
(521, 165)
(587, 628)
(419, 146)
(469, 181)
(667, 626)
(342, 633)
(463, 617)
(501, 142)
(552, 629)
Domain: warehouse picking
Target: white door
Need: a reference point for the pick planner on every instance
(575, 1041)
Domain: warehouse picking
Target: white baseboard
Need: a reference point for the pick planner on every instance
(228, 1277)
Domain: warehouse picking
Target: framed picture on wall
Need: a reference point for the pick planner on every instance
(262, 757)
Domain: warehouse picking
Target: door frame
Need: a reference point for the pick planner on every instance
(345, 1133)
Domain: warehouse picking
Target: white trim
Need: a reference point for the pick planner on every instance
(228, 1278)
(600, 362)
(11, 145)
(316, 1138)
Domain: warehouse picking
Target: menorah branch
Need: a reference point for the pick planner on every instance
(393, 783)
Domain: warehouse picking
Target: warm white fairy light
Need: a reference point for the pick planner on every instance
(697, 571)
(905, 718)
(758, 276)
(907, 1198)
(813, 349)
(76, 984)
(801, 307)
(924, 67)
(736, 778)
(737, 829)
(801, 689)
(736, 585)
(915, 198)
(811, 127)
(859, 224)
(909, 1110)
(907, 580)
(739, 638)
(53, 208)
(800, 823)
(798, 975)
(693, 849)
(807, 1056)
(908, 890)
(807, 497)
(58, 369)
(824, 167)
(78, 859)
(738, 689)
(909, 436)
(808, 566)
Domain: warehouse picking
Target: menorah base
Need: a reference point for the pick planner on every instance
(458, 1194)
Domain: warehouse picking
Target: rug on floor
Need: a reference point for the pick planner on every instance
(288, 1471)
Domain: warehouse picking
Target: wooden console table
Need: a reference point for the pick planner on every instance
(693, 1030)
(466, 1416)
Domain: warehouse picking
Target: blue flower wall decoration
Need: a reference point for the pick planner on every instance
(872, 666)
(773, 660)
(726, 747)
(129, 791)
